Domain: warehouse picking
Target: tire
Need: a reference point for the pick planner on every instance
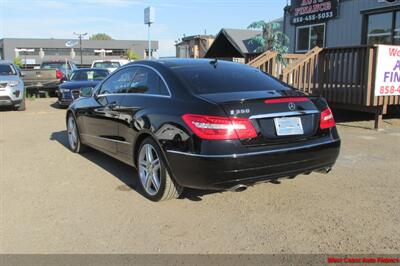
(52, 93)
(74, 139)
(157, 186)
(21, 106)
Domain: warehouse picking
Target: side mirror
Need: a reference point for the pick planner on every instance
(86, 92)
(21, 74)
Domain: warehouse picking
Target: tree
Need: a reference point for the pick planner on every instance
(271, 38)
(131, 55)
(100, 37)
(18, 61)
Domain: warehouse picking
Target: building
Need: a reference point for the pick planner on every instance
(194, 46)
(334, 23)
(237, 44)
(234, 45)
(34, 51)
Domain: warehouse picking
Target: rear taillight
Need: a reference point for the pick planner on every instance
(59, 74)
(218, 127)
(326, 120)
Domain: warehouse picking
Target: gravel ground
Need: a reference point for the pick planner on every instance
(55, 201)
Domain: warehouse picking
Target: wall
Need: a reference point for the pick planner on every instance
(344, 30)
(10, 44)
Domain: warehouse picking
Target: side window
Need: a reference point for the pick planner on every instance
(146, 81)
(119, 82)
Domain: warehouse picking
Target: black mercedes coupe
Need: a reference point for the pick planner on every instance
(206, 124)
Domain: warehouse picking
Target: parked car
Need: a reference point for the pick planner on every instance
(111, 65)
(12, 92)
(48, 77)
(204, 124)
(80, 78)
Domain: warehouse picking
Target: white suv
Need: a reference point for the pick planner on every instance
(12, 92)
(111, 64)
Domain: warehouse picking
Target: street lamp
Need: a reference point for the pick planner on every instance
(149, 18)
(80, 35)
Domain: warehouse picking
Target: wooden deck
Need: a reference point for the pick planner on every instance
(343, 75)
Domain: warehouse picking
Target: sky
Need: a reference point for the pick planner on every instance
(123, 19)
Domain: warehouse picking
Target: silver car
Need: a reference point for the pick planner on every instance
(12, 92)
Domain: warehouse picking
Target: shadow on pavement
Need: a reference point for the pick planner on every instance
(6, 109)
(346, 117)
(55, 105)
(125, 173)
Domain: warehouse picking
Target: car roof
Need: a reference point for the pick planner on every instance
(183, 62)
(111, 60)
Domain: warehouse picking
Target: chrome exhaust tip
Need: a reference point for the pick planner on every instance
(324, 170)
(238, 188)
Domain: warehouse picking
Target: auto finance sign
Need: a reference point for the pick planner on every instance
(387, 75)
(312, 11)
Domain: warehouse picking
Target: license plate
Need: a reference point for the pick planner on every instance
(286, 126)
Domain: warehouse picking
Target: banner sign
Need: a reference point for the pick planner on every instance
(387, 75)
(312, 11)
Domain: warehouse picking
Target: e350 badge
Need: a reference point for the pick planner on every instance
(239, 111)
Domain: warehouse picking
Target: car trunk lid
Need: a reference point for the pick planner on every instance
(279, 116)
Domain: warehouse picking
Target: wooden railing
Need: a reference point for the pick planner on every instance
(269, 63)
(265, 62)
(302, 73)
(343, 75)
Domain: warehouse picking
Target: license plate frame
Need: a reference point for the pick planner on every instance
(288, 126)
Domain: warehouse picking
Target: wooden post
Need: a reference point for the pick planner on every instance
(379, 115)
(378, 120)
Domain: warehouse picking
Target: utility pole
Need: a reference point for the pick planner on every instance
(149, 18)
(80, 35)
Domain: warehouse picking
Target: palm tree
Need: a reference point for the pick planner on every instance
(271, 38)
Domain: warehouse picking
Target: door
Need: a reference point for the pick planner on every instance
(101, 120)
(146, 92)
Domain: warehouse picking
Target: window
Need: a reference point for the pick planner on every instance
(55, 65)
(106, 64)
(225, 78)
(79, 75)
(383, 28)
(119, 81)
(147, 81)
(380, 28)
(7, 70)
(310, 36)
(396, 37)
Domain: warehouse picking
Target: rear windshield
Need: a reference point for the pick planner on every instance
(81, 75)
(106, 65)
(54, 65)
(7, 70)
(225, 77)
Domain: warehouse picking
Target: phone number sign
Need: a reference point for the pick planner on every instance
(387, 75)
(312, 11)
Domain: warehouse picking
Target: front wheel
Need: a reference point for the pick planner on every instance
(155, 180)
(74, 139)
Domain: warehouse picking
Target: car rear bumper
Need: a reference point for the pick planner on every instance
(65, 101)
(42, 85)
(226, 171)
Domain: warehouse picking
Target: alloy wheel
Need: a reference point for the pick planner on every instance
(72, 133)
(149, 169)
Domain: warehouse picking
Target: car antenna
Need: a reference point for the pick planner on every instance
(214, 62)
